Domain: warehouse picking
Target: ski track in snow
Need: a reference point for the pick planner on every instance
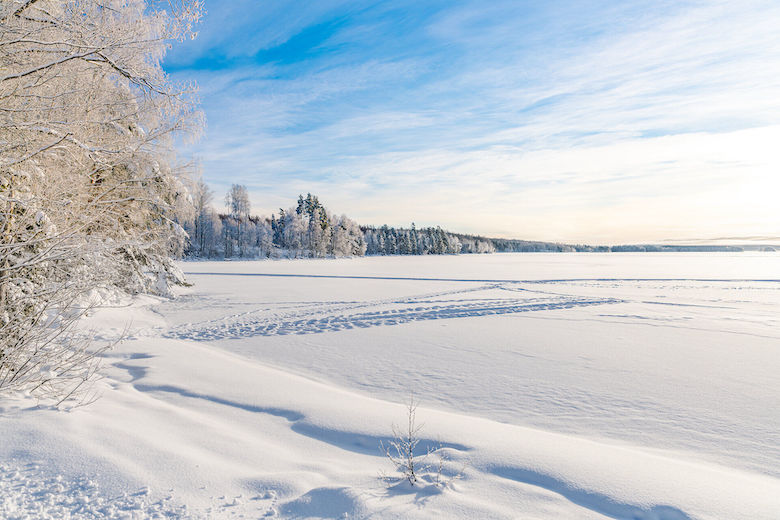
(318, 318)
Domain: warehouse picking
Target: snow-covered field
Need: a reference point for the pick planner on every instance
(627, 386)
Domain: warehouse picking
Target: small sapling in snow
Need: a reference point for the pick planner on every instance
(400, 450)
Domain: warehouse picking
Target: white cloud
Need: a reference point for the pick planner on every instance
(655, 127)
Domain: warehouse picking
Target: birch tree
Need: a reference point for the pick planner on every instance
(237, 202)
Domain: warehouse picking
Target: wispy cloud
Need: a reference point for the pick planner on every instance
(586, 121)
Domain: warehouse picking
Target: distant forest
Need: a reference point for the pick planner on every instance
(310, 230)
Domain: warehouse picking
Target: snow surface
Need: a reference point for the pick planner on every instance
(626, 386)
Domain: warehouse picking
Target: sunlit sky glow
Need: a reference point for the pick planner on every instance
(581, 121)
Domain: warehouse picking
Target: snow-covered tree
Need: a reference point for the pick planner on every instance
(89, 187)
(237, 201)
(347, 238)
(199, 225)
(318, 233)
(263, 234)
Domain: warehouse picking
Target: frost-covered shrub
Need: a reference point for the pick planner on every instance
(401, 449)
(428, 468)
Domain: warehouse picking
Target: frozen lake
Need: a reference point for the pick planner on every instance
(587, 386)
(669, 351)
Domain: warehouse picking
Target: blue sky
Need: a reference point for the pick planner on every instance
(587, 121)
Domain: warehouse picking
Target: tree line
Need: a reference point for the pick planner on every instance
(309, 229)
(306, 230)
(387, 240)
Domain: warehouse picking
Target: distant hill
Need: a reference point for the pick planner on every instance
(505, 245)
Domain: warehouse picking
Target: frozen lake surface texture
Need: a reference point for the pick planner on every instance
(623, 386)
